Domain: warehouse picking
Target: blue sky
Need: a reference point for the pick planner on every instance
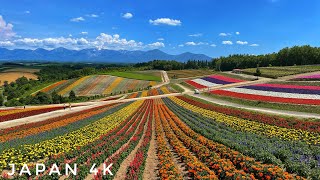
(212, 27)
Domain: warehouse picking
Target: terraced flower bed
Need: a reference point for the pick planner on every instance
(97, 85)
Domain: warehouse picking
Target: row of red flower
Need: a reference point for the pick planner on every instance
(264, 118)
(266, 98)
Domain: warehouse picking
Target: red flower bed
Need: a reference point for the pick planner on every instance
(224, 78)
(28, 113)
(267, 119)
(196, 85)
(266, 98)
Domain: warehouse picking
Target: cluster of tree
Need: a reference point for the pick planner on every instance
(297, 55)
(174, 65)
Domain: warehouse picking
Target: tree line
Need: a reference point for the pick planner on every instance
(296, 55)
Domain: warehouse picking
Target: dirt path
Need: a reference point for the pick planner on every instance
(152, 161)
(122, 171)
(165, 80)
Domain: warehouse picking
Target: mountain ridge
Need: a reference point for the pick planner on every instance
(94, 55)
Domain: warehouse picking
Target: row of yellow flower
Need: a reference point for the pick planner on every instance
(253, 126)
(114, 84)
(67, 142)
(73, 85)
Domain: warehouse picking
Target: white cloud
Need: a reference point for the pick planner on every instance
(6, 29)
(156, 45)
(92, 15)
(180, 45)
(165, 21)
(70, 35)
(191, 43)
(84, 33)
(227, 42)
(224, 34)
(160, 39)
(237, 33)
(106, 41)
(127, 15)
(242, 42)
(78, 19)
(27, 12)
(196, 35)
(6, 43)
(213, 45)
(254, 45)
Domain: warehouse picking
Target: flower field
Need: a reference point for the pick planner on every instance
(192, 140)
(152, 92)
(97, 85)
(280, 93)
(211, 81)
(314, 77)
(21, 113)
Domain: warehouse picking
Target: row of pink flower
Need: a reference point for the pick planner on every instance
(315, 76)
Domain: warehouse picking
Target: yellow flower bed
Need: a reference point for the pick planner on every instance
(73, 85)
(252, 126)
(152, 83)
(65, 143)
(144, 93)
(165, 90)
(114, 84)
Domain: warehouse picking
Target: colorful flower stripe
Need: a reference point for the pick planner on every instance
(167, 168)
(285, 90)
(67, 142)
(223, 168)
(226, 79)
(252, 126)
(152, 83)
(85, 84)
(196, 168)
(115, 83)
(274, 94)
(133, 84)
(144, 93)
(196, 85)
(216, 81)
(106, 81)
(27, 113)
(90, 86)
(273, 150)
(225, 160)
(102, 148)
(264, 118)
(52, 86)
(137, 165)
(314, 76)
(73, 85)
(290, 86)
(34, 128)
(266, 98)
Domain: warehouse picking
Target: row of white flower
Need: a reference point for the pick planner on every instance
(274, 94)
(205, 83)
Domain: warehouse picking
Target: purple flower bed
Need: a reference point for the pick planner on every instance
(216, 81)
(286, 90)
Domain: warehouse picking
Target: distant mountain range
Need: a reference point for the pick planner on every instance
(94, 55)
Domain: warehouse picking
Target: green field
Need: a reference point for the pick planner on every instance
(276, 72)
(135, 75)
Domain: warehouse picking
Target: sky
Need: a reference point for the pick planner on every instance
(212, 27)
